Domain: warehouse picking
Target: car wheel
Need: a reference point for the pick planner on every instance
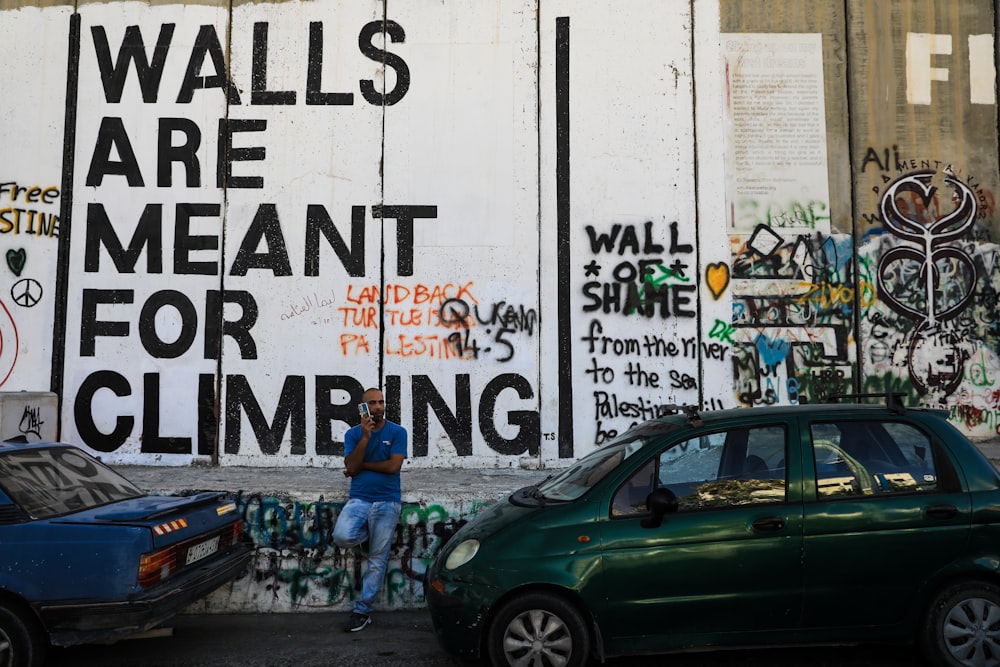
(20, 642)
(538, 629)
(962, 627)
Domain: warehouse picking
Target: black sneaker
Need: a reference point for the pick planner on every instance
(357, 622)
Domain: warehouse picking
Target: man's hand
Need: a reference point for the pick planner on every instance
(354, 462)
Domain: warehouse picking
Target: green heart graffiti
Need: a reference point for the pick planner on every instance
(16, 260)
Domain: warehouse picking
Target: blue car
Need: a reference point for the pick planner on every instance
(85, 555)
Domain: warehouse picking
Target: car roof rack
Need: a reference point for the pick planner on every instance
(691, 411)
(892, 399)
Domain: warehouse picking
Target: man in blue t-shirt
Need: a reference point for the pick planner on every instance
(374, 451)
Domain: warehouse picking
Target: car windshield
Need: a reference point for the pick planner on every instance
(580, 477)
(60, 480)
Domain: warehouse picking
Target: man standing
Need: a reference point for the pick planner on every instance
(374, 451)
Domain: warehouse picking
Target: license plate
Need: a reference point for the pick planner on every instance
(203, 549)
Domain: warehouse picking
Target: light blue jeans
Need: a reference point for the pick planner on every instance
(376, 522)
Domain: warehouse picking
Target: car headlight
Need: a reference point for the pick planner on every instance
(462, 554)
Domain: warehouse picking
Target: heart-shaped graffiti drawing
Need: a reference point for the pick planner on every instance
(16, 260)
(923, 278)
(717, 277)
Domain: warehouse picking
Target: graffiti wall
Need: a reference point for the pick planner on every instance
(298, 568)
(534, 224)
(925, 238)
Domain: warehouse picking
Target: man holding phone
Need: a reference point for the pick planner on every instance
(374, 451)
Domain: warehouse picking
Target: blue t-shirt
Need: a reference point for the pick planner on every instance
(368, 484)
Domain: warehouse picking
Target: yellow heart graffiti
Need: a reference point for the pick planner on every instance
(717, 277)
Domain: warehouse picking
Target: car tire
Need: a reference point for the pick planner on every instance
(538, 629)
(20, 642)
(962, 626)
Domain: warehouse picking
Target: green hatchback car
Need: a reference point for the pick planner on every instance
(811, 524)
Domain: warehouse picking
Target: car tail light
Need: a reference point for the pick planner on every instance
(238, 530)
(157, 566)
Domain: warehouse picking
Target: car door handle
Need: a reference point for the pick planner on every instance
(942, 512)
(769, 524)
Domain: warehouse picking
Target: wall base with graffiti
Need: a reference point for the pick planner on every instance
(297, 568)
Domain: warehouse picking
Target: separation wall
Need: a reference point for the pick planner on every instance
(533, 223)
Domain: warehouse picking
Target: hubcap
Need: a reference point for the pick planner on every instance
(537, 638)
(6, 654)
(972, 633)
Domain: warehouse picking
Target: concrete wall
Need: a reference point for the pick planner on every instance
(533, 223)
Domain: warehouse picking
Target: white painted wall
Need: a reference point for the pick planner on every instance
(32, 90)
(393, 214)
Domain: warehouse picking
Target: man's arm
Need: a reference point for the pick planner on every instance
(388, 467)
(354, 462)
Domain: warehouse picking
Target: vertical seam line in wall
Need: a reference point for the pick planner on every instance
(996, 62)
(381, 184)
(565, 353)
(538, 214)
(65, 214)
(854, 223)
(217, 407)
(697, 226)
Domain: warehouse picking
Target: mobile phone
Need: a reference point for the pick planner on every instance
(363, 410)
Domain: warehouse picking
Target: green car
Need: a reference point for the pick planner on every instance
(797, 525)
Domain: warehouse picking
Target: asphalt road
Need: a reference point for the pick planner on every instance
(395, 639)
(300, 639)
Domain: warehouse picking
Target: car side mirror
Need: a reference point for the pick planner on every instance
(660, 502)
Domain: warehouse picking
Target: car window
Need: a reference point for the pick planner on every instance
(630, 499)
(742, 466)
(579, 478)
(60, 480)
(868, 458)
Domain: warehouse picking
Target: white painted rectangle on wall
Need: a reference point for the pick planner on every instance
(617, 123)
(33, 44)
(463, 144)
(303, 229)
(775, 117)
(716, 312)
(145, 258)
(29, 415)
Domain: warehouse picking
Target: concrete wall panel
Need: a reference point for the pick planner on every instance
(460, 339)
(619, 250)
(145, 254)
(303, 238)
(533, 224)
(32, 95)
(924, 140)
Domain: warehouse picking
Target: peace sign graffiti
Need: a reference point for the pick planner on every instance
(26, 292)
